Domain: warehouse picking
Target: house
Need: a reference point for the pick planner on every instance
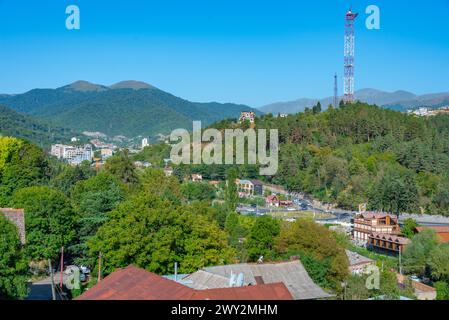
(285, 203)
(142, 164)
(358, 264)
(132, 283)
(387, 243)
(214, 183)
(365, 224)
(197, 177)
(106, 153)
(17, 217)
(168, 171)
(249, 188)
(272, 201)
(291, 273)
(441, 232)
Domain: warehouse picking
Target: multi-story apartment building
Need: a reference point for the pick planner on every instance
(366, 224)
(74, 155)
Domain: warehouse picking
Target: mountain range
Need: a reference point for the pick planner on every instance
(128, 108)
(398, 100)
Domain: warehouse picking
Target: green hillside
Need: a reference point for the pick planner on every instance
(124, 109)
(16, 124)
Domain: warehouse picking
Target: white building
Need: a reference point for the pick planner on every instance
(72, 154)
(247, 116)
(145, 142)
(106, 153)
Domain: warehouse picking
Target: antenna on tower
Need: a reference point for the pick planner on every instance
(349, 56)
(335, 91)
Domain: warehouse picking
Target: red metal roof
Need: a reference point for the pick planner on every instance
(441, 231)
(132, 283)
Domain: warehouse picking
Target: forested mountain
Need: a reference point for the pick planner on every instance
(398, 100)
(128, 108)
(362, 153)
(19, 125)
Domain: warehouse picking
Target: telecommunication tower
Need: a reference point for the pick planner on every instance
(349, 57)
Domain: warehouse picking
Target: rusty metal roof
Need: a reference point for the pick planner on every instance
(132, 283)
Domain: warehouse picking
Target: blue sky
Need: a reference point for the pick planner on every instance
(243, 51)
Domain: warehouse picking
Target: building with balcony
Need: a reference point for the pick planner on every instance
(387, 243)
(366, 224)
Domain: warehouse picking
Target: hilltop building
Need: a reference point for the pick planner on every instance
(247, 116)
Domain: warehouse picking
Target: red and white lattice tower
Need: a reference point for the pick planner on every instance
(349, 57)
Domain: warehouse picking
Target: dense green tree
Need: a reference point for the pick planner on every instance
(231, 195)
(13, 267)
(439, 263)
(21, 165)
(92, 199)
(198, 191)
(408, 229)
(122, 166)
(154, 233)
(416, 254)
(50, 221)
(315, 242)
(262, 237)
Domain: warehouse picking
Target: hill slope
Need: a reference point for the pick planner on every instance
(128, 108)
(16, 124)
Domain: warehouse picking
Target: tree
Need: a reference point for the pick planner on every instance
(92, 199)
(13, 268)
(50, 221)
(408, 229)
(308, 239)
(439, 263)
(231, 195)
(442, 290)
(154, 233)
(261, 238)
(123, 168)
(416, 254)
(65, 180)
(198, 191)
(21, 165)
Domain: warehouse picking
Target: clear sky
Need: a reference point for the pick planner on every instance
(243, 51)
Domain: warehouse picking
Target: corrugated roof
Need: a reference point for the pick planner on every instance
(274, 291)
(357, 259)
(132, 283)
(291, 273)
(441, 231)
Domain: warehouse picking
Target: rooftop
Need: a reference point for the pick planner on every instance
(291, 273)
(132, 283)
(356, 259)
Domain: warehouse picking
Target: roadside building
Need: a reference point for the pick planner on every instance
(358, 264)
(17, 217)
(272, 201)
(250, 188)
(387, 243)
(441, 232)
(132, 283)
(366, 224)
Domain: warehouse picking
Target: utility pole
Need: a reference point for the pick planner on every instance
(53, 293)
(99, 267)
(62, 268)
(335, 91)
